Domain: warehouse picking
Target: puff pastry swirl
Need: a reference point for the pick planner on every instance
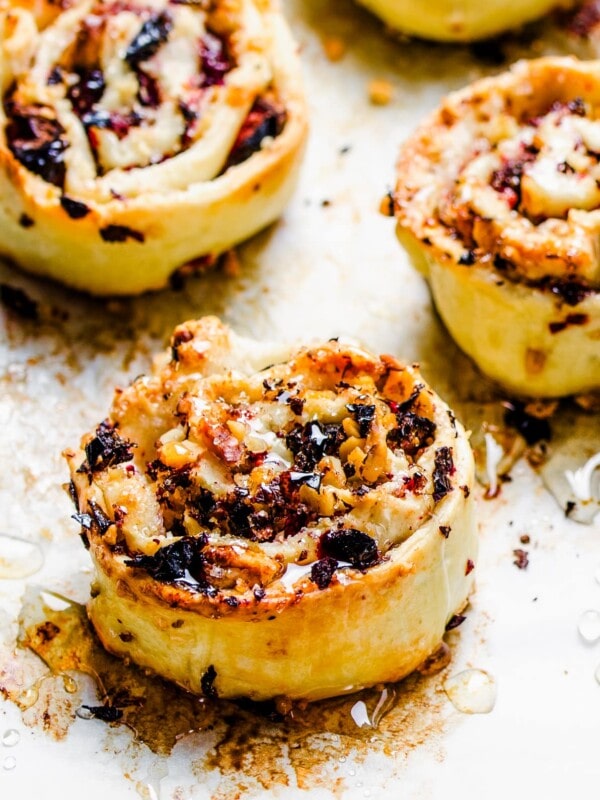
(138, 136)
(268, 524)
(497, 199)
(460, 20)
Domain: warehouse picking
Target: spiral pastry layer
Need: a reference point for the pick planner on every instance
(268, 524)
(140, 135)
(460, 20)
(498, 201)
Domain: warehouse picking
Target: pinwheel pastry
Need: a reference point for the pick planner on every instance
(498, 200)
(460, 20)
(139, 136)
(302, 529)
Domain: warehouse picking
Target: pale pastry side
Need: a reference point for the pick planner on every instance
(295, 523)
(460, 20)
(497, 202)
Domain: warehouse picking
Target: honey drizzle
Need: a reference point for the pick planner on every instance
(255, 741)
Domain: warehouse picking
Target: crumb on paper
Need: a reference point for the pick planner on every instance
(541, 408)
(335, 48)
(588, 402)
(231, 264)
(381, 92)
(521, 558)
(386, 206)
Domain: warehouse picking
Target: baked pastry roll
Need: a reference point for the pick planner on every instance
(136, 137)
(498, 201)
(301, 529)
(460, 20)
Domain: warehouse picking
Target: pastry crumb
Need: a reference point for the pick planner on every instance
(380, 92)
(521, 558)
(386, 206)
(335, 48)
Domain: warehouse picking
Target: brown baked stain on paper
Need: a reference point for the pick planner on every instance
(251, 745)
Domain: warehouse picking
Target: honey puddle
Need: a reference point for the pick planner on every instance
(19, 558)
(251, 738)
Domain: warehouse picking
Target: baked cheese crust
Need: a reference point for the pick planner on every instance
(272, 523)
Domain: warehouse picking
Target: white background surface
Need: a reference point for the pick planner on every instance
(322, 271)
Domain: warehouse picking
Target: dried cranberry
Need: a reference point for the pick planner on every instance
(310, 479)
(85, 520)
(107, 448)
(414, 483)
(55, 76)
(215, 60)
(570, 292)
(296, 518)
(310, 442)
(322, 571)
(406, 405)
(443, 469)
(100, 520)
(181, 562)
(88, 90)
(114, 121)
(153, 33)
(148, 91)
(264, 120)
(349, 544)
(412, 433)
(37, 140)
(363, 415)
(25, 221)
(297, 405)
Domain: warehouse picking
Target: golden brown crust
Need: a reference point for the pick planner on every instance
(226, 487)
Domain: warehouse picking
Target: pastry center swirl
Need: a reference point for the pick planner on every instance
(332, 457)
(538, 179)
